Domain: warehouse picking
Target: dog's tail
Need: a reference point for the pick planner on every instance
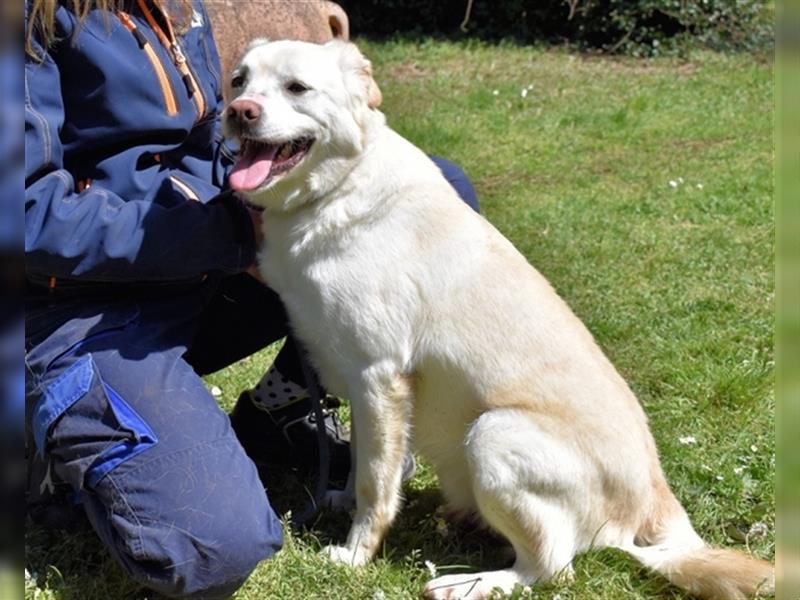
(668, 543)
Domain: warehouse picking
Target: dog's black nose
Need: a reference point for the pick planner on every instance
(245, 112)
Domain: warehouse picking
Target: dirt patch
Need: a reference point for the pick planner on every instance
(496, 182)
(407, 72)
(639, 66)
(699, 144)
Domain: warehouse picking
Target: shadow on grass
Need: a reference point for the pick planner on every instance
(72, 564)
(421, 529)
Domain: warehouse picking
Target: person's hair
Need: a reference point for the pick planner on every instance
(42, 17)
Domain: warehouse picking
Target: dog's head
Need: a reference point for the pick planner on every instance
(300, 112)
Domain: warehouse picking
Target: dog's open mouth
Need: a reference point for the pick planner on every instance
(260, 162)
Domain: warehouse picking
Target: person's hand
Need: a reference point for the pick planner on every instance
(255, 273)
(256, 218)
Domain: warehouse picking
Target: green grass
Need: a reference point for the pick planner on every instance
(675, 281)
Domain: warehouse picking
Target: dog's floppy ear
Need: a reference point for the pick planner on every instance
(353, 61)
(374, 96)
(260, 41)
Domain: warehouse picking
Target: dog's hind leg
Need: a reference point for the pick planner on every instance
(522, 481)
(380, 404)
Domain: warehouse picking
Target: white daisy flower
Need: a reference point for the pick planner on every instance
(431, 568)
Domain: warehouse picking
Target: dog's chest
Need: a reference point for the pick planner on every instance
(348, 304)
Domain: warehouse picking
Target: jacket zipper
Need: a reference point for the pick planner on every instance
(170, 41)
(163, 79)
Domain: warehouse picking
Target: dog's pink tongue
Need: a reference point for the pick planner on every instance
(252, 168)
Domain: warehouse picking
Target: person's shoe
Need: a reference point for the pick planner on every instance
(287, 435)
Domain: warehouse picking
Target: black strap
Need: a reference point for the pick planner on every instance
(312, 385)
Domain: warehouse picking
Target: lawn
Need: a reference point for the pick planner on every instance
(642, 189)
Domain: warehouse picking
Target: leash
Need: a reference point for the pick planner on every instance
(312, 384)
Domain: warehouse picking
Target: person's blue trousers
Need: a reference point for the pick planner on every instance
(116, 409)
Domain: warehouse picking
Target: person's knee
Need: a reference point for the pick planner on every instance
(458, 179)
(199, 535)
(216, 563)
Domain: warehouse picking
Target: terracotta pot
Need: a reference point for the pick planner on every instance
(237, 22)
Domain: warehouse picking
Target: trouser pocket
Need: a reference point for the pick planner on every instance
(85, 428)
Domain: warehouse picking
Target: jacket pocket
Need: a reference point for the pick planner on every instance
(170, 100)
(142, 437)
(87, 427)
(171, 43)
(184, 188)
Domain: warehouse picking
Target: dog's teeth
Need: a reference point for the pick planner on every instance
(286, 150)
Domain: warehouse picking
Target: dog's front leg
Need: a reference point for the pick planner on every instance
(380, 418)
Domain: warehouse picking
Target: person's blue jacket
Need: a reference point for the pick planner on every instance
(124, 159)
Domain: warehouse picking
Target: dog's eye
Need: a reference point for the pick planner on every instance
(297, 88)
(237, 81)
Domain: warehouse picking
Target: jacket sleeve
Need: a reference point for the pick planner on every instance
(95, 234)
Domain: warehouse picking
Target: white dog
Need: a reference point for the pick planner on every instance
(438, 331)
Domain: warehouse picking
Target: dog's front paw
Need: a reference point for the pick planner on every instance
(344, 555)
(461, 587)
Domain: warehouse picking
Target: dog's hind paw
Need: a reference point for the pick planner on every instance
(344, 555)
